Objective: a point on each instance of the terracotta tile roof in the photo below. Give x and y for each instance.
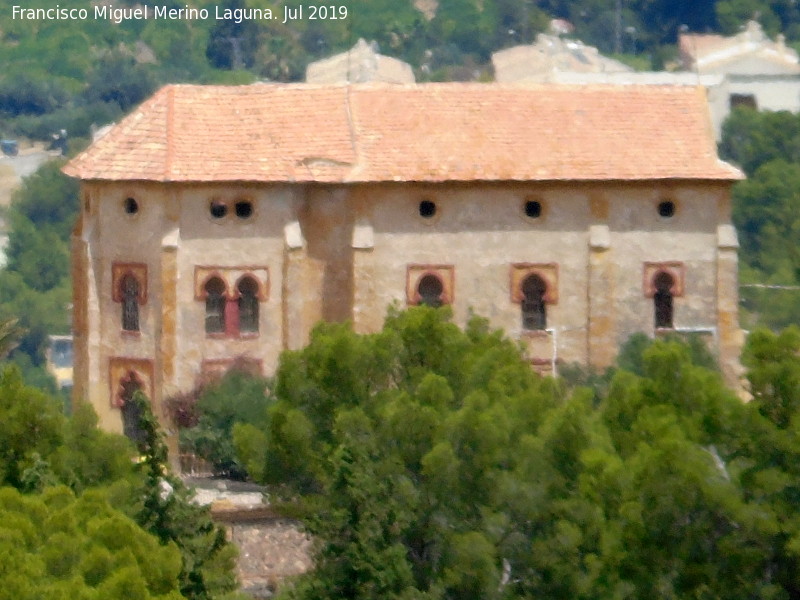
(430, 132)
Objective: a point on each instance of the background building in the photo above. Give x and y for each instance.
(761, 74)
(361, 64)
(548, 56)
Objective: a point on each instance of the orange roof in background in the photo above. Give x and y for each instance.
(427, 132)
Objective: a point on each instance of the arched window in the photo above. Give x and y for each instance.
(430, 290)
(130, 303)
(248, 305)
(534, 315)
(131, 411)
(215, 305)
(662, 300)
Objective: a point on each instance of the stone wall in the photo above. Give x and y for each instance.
(348, 252)
(270, 553)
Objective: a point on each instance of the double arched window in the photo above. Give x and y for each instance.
(231, 315)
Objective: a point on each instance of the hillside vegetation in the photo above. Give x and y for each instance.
(432, 463)
(70, 74)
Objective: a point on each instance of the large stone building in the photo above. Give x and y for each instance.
(220, 222)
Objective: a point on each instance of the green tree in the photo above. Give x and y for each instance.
(774, 374)
(206, 416)
(732, 14)
(34, 286)
(233, 45)
(765, 211)
(751, 139)
(31, 425)
(207, 560)
(117, 78)
(397, 441)
(89, 457)
(22, 94)
(41, 447)
(432, 462)
(55, 545)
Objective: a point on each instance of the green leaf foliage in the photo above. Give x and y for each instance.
(35, 285)
(40, 447)
(88, 456)
(31, 423)
(55, 545)
(431, 462)
(166, 510)
(92, 551)
(766, 212)
(208, 415)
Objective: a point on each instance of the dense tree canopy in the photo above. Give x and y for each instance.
(432, 462)
(166, 510)
(35, 285)
(55, 545)
(766, 211)
(63, 539)
(207, 415)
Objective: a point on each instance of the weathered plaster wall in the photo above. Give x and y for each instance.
(749, 65)
(639, 234)
(112, 236)
(172, 233)
(345, 253)
(481, 231)
(229, 246)
(770, 92)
